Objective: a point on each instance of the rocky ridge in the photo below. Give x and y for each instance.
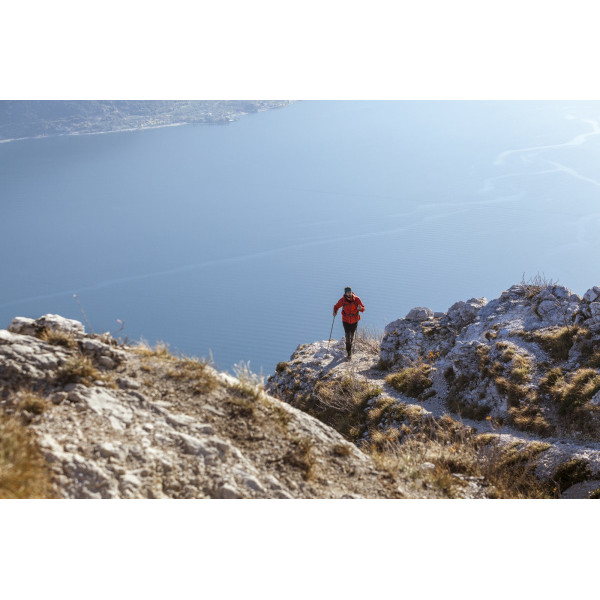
(523, 368)
(424, 412)
(134, 422)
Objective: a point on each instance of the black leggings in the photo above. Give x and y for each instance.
(350, 330)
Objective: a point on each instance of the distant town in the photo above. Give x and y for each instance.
(41, 118)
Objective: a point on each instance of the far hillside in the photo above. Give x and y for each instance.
(35, 118)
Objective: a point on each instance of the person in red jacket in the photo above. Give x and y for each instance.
(352, 307)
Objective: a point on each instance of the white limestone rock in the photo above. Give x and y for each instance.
(419, 313)
(462, 313)
(58, 323)
(22, 325)
(592, 294)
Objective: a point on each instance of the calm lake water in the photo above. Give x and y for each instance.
(238, 239)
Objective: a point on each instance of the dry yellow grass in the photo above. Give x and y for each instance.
(571, 392)
(341, 403)
(302, 457)
(57, 338)
(160, 350)
(504, 472)
(556, 341)
(31, 402)
(78, 369)
(195, 372)
(23, 471)
(411, 381)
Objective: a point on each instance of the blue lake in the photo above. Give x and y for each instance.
(238, 239)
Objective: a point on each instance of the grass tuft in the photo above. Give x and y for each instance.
(503, 472)
(195, 372)
(78, 369)
(247, 391)
(534, 285)
(580, 387)
(569, 473)
(556, 341)
(32, 403)
(341, 450)
(412, 381)
(282, 367)
(23, 471)
(302, 457)
(57, 338)
(160, 350)
(341, 403)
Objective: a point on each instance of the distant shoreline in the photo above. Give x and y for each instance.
(75, 133)
(205, 118)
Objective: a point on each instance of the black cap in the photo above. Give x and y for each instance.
(347, 289)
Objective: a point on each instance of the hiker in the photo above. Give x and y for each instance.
(352, 307)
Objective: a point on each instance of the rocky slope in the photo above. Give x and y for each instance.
(134, 422)
(495, 399)
(523, 368)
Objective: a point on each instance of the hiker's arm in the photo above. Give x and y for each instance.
(337, 306)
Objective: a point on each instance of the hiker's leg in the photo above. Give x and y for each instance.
(348, 332)
(352, 331)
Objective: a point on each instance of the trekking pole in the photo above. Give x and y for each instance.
(329, 342)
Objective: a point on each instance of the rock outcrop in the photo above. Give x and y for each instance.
(494, 358)
(524, 367)
(133, 422)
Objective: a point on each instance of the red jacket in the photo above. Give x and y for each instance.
(352, 308)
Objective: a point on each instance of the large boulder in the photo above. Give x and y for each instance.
(592, 294)
(419, 313)
(26, 326)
